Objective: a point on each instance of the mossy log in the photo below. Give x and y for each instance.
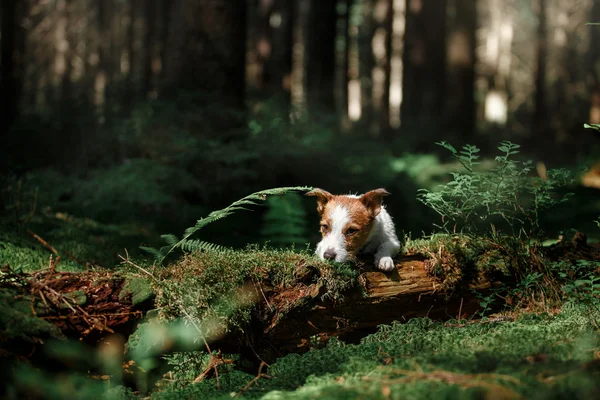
(286, 319)
(407, 292)
(297, 318)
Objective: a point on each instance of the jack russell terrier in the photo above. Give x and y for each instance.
(356, 224)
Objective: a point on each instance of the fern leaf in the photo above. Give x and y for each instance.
(154, 252)
(253, 199)
(170, 239)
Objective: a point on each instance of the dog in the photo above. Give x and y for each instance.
(352, 224)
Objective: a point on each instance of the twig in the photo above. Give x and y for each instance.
(460, 309)
(127, 261)
(215, 361)
(204, 340)
(263, 294)
(255, 379)
(43, 242)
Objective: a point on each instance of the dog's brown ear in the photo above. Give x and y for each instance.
(373, 199)
(323, 197)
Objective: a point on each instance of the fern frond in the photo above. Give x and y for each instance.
(192, 246)
(253, 199)
(169, 239)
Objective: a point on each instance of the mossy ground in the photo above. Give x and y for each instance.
(534, 356)
(80, 242)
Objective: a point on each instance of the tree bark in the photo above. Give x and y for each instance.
(424, 61)
(131, 50)
(209, 54)
(320, 56)
(460, 101)
(149, 43)
(366, 62)
(384, 120)
(278, 66)
(13, 55)
(540, 116)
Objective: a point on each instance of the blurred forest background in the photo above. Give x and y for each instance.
(155, 112)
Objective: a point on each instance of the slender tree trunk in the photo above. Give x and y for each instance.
(102, 71)
(384, 120)
(540, 116)
(12, 67)
(460, 104)
(424, 67)
(131, 49)
(66, 85)
(149, 42)
(320, 53)
(346, 66)
(278, 68)
(366, 61)
(593, 65)
(164, 39)
(209, 55)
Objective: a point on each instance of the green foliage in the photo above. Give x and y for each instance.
(506, 192)
(592, 126)
(284, 224)
(188, 245)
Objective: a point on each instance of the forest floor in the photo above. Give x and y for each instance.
(72, 307)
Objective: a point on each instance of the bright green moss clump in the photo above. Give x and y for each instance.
(222, 286)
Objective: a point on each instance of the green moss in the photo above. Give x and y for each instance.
(80, 242)
(139, 288)
(534, 357)
(223, 286)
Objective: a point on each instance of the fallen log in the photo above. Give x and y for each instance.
(407, 292)
(291, 317)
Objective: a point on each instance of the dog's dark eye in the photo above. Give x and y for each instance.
(351, 231)
(324, 227)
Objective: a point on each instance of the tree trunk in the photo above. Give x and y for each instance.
(149, 42)
(209, 57)
(164, 37)
(279, 65)
(320, 56)
(366, 62)
(384, 119)
(593, 65)
(130, 43)
(540, 126)
(13, 54)
(424, 68)
(460, 101)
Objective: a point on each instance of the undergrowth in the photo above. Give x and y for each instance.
(505, 196)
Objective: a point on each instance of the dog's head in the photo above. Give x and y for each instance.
(346, 222)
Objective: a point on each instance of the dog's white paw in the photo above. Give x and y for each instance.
(385, 264)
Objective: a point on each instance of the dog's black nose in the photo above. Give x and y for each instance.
(329, 254)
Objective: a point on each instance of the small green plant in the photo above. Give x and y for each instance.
(582, 282)
(485, 301)
(192, 245)
(284, 224)
(506, 192)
